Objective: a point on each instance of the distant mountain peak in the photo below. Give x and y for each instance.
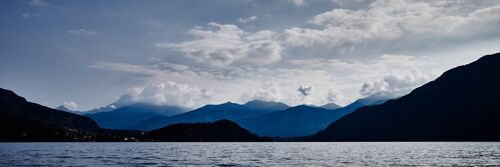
(330, 106)
(123, 101)
(63, 108)
(304, 106)
(130, 115)
(258, 101)
(229, 103)
(263, 102)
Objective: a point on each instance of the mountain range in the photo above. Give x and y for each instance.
(264, 118)
(302, 120)
(21, 120)
(210, 113)
(460, 105)
(129, 116)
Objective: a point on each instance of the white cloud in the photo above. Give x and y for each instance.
(81, 31)
(333, 80)
(71, 105)
(38, 3)
(485, 15)
(332, 96)
(395, 83)
(171, 93)
(269, 91)
(248, 19)
(391, 19)
(225, 44)
(388, 73)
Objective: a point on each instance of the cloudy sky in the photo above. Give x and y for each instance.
(86, 54)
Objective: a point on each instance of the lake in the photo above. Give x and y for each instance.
(250, 154)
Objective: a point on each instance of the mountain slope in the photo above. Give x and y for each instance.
(123, 101)
(220, 131)
(302, 120)
(62, 108)
(374, 99)
(207, 113)
(128, 116)
(21, 120)
(265, 106)
(296, 121)
(330, 106)
(460, 105)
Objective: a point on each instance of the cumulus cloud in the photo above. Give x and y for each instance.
(248, 19)
(224, 44)
(305, 91)
(395, 83)
(384, 73)
(269, 91)
(171, 93)
(81, 31)
(71, 105)
(283, 92)
(332, 96)
(388, 20)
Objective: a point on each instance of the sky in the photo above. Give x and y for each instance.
(87, 54)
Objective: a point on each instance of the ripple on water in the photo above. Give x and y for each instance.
(250, 154)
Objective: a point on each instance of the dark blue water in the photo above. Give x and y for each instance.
(249, 154)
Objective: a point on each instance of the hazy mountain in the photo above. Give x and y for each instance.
(265, 106)
(460, 105)
(220, 131)
(330, 106)
(207, 113)
(128, 116)
(302, 120)
(295, 121)
(62, 108)
(124, 100)
(21, 120)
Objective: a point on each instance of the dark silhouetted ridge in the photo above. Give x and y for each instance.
(460, 105)
(219, 131)
(21, 120)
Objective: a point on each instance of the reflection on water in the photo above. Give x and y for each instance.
(249, 154)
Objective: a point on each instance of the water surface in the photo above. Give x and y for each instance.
(250, 154)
